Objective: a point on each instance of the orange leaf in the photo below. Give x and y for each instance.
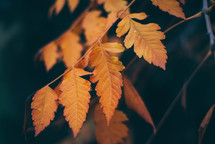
(204, 124)
(115, 132)
(109, 78)
(134, 101)
(57, 6)
(113, 5)
(93, 26)
(44, 106)
(71, 48)
(145, 38)
(170, 6)
(75, 97)
(73, 4)
(50, 55)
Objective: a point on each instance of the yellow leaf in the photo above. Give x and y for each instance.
(73, 4)
(71, 48)
(113, 5)
(107, 73)
(115, 132)
(170, 6)
(145, 37)
(75, 98)
(93, 26)
(134, 101)
(44, 106)
(50, 55)
(57, 6)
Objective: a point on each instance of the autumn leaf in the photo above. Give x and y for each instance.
(134, 101)
(93, 26)
(145, 37)
(107, 74)
(115, 132)
(71, 48)
(44, 106)
(170, 6)
(73, 4)
(75, 98)
(50, 55)
(57, 7)
(113, 5)
(204, 124)
(59, 4)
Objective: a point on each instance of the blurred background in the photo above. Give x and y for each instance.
(25, 28)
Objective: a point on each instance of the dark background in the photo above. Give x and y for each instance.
(25, 28)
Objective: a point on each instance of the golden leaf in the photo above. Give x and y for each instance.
(109, 78)
(170, 6)
(73, 4)
(93, 26)
(134, 101)
(44, 106)
(71, 48)
(113, 5)
(115, 132)
(75, 97)
(57, 6)
(50, 55)
(145, 37)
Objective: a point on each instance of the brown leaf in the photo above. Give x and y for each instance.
(134, 101)
(204, 124)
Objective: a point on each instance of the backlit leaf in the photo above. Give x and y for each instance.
(145, 37)
(50, 55)
(44, 106)
(134, 101)
(71, 48)
(73, 4)
(170, 6)
(93, 26)
(75, 98)
(115, 132)
(113, 5)
(107, 74)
